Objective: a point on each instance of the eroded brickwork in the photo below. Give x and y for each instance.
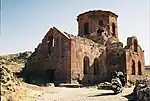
(90, 57)
(135, 65)
(115, 58)
(51, 59)
(98, 25)
(85, 55)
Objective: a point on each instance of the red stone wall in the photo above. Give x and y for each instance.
(115, 58)
(81, 48)
(58, 59)
(131, 56)
(94, 18)
(101, 49)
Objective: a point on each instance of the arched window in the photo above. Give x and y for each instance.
(50, 43)
(133, 67)
(113, 29)
(135, 45)
(96, 66)
(86, 65)
(139, 68)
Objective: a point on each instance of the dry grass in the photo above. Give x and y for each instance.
(147, 72)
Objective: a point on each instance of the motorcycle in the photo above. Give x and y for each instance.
(116, 85)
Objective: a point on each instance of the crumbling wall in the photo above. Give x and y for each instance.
(135, 65)
(96, 47)
(115, 58)
(51, 59)
(83, 50)
(98, 25)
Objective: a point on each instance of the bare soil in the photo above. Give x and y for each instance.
(74, 94)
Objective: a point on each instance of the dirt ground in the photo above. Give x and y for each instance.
(74, 94)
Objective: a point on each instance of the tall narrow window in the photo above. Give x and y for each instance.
(50, 44)
(86, 28)
(133, 67)
(86, 65)
(113, 29)
(135, 45)
(139, 68)
(96, 66)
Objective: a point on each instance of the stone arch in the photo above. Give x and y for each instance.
(113, 29)
(96, 66)
(135, 45)
(133, 67)
(86, 65)
(139, 68)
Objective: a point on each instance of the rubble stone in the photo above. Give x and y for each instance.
(8, 82)
(142, 90)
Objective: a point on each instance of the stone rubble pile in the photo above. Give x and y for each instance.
(142, 90)
(8, 82)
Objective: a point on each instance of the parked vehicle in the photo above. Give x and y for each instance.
(121, 77)
(116, 83)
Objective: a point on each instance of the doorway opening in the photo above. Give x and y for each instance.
(50, 75)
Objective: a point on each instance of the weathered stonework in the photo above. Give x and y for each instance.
(101, 25)
(90, 57)
(135, 65)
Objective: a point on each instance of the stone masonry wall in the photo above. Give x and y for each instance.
(99, 22)
(134, 60)
(82, 48)
(51, 57)
(115, 58)
(90, 57)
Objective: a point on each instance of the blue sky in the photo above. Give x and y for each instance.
(25, 22)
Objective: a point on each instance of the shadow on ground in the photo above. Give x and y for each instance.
(103, 94)
(130, 97)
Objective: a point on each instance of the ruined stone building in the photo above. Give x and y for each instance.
(89, 57)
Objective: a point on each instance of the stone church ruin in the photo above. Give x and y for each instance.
(89, 57)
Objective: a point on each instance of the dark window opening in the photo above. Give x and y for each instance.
(139, 68)
(50, 44)
(86, 28)
(133, 67)
(113, 29)
(86, 65)
(96, 66)
(135, 45)
(101, 22)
